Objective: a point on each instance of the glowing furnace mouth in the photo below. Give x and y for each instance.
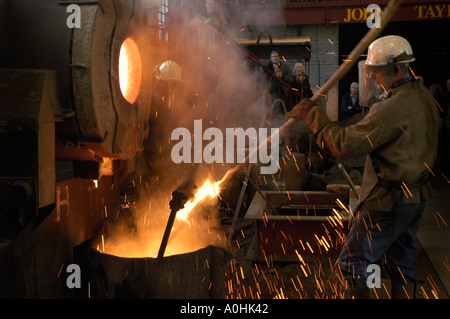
(130, 70)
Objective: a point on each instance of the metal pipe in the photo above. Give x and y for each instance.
(348, 179)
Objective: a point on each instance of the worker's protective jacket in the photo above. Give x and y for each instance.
(399, 136)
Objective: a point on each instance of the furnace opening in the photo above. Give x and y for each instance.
(130, 70)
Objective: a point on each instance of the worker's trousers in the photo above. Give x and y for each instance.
(374, 235)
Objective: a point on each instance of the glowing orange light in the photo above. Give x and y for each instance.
(130, 70)
(189, 233)
(209, 188)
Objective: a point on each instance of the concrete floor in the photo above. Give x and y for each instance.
(434, 231)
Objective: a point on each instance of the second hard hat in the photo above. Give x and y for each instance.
(169, 71)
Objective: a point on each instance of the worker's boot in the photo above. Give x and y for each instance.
(358, 292)
(403, 291)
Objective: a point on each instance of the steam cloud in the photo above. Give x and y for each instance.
(220, 87)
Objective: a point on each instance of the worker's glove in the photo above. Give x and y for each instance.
(302, 109)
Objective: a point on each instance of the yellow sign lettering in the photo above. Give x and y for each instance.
(419, 9)
(439, 10)
(347, 19)
(436, 11)
(360, 14)
(422, 12)
(430, 13)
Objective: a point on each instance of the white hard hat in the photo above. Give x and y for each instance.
(391, 49)
(169, 71)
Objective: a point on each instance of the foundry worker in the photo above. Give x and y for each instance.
(301, 80)
(350, 102)
(211, 16)
(399, 135)
(279, 70)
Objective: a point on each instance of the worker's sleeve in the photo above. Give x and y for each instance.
(345, 142)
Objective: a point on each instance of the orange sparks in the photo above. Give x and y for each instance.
(387, 292)
(60, 269)
(446, 263)
(401, 273)
(429, 169)
(433, 284)
(304, 271)
(309, 246)
(403, 130)
(424, 293)
(284, 251)
(440, 108)
(341, 205)
(242, 273)
(437, 213)
(448, 181)
(369, 140)
(404, 289)
(406, 188)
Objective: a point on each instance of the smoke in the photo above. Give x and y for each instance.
(149, 218)
(222, 87)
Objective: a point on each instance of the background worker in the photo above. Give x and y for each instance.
(350, 103)
(280, 70)
(399, 135)
(301, 80)
(210, 15)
